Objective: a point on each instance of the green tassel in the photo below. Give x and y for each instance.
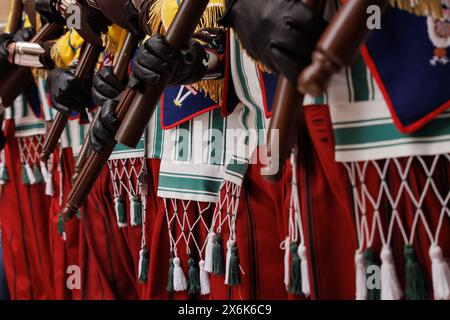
(61, 227)
(4, 176)
(295, 281)
(369, 260)
(170, 276)
(78, 214)
(120, 211)
(25, 178)
(194, 278)
(143, 265)
(136, 211)
(234, 274)
(218, 266)
(38, 174)
(415, 281)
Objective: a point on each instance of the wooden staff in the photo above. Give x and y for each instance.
(135, 108)
(121, 72)
(286, 111)
(338, 45)
(85, 66)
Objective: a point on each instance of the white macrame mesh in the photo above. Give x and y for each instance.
(182, 227)
(30, 148)
(125, 175)
(378, 206)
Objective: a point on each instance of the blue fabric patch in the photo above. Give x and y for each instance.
(32, 97)
(416, 83)
(181, 103)
(269, 89)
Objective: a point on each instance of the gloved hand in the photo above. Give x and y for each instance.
(24, 35)
(105, 127)
(5, 38)
(47, 10)
(132, 15)
(68, 93)
(286, 30)
(106, 86)
(155, 61)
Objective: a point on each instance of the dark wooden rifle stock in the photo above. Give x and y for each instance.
(286, 113)
(16, 16)
(135, 108)
(17, 80)
(121, 71)
(86, 65)
(338, 45)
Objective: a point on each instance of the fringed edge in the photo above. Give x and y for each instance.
(431, 8)
(210, 18)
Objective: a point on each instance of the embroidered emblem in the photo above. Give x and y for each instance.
(439, 34)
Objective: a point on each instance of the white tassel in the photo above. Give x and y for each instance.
(44, 170)
(2, 170)
(204, 279)
(49, 188)
(132, 210)
(230, 244)
(306, 289)
(179, 279)
(440, 271)
(286, 244)
(30, 174)
(390, 287)
(361, 287)
(208, 252)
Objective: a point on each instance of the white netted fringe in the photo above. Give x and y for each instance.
(204, 279)
(179, 219)
(440, 273)
(373, 201)
(179, 279)
(390, 287)
(29, 148)
(296, 233)
(361, 285)
(125, 181)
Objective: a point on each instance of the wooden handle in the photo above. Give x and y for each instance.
(285, 114)
(178, 35)
(134, 109)
(338, 45)
(94, 164)
(85, 66)
(121, 71)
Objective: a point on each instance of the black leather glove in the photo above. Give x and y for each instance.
(105, 127)
(68, 93)
(155, 61)
(5, 38)
(47, 10)
(24, 35)
(132, 15)
(106, 86)
(282, 34)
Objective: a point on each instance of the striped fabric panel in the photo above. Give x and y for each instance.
(48, 112)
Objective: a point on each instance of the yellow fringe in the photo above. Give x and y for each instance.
(431, 8)
(210, 18)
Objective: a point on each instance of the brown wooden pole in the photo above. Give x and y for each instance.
(135, 108)
(338, 45)
(85, 66)
(286, 110)
(121, 71)
(16, 16)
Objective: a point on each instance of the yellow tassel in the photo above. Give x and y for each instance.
(161, 15)
(431, 8)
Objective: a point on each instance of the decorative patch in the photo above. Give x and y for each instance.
(415, 88)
